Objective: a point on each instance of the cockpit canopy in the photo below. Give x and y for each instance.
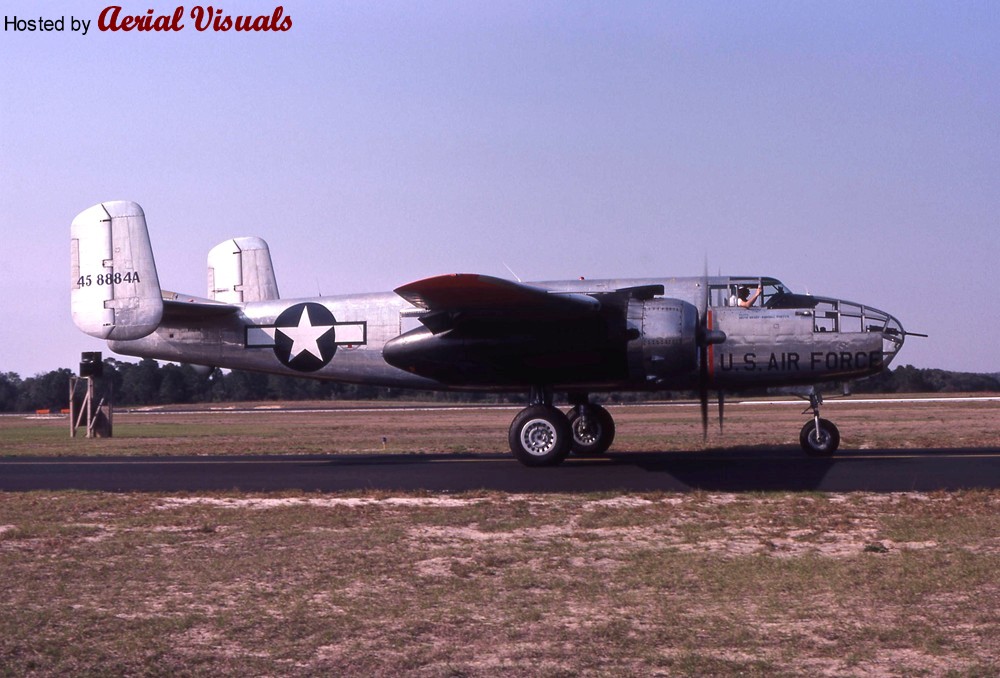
(774, 294)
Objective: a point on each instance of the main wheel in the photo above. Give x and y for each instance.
(823, 445)
(540, 435)
(593, 430)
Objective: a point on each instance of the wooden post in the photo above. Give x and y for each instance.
(99, 421)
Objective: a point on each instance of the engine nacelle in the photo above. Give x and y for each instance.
(631, 343)
(663, 340)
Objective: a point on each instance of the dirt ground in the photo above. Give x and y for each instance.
(486, 584)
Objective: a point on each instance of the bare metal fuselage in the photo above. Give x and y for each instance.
(818, 340)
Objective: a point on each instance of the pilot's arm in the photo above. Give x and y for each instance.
(752, 298)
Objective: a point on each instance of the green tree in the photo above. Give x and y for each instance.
(240, 386)
(49, 391)
(140, 382)
(10, 387)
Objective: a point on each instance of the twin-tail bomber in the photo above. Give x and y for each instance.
(479, 333)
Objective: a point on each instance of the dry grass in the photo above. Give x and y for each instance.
(668, 427)
(695, 584)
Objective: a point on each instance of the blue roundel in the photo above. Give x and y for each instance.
(305, 338)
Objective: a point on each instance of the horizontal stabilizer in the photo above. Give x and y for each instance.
(240, 271)
(178, 308)
(115, 292)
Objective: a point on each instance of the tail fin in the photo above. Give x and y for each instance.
(240, 270)
(115, 294)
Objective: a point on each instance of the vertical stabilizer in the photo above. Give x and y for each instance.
(115, 292)
(240, 270)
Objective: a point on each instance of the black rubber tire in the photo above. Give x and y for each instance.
(827, 443)
(599, 435)
(540, 436)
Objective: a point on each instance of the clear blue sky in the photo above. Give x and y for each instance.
(851, 149)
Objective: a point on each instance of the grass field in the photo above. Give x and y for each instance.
(484, 584)
(262, 429)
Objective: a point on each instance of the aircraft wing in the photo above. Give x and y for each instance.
(483, 330)
(470, 293)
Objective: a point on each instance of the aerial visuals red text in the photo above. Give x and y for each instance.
(203, 18)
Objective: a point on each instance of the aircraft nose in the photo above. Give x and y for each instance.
(893, 334)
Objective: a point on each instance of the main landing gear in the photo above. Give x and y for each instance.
(819, 437)
(541, 435)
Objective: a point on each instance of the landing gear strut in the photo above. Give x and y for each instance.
(819, 437)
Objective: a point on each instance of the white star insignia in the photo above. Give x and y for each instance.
(305, 336)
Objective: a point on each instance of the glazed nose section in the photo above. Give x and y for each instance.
(893, 334)
(847, 318)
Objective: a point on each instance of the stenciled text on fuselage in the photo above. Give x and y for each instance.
(791, 361)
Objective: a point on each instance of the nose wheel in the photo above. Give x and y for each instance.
(819, 437)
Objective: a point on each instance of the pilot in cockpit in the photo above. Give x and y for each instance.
(744, 298)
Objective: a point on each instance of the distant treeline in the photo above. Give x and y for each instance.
(151, 383)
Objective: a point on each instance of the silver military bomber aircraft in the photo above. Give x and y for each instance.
(479, 333)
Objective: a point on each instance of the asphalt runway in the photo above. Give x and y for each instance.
(730, 470)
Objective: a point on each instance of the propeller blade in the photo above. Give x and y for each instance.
(703, 399)
(703, 351)
(722, 407)
(704, 292)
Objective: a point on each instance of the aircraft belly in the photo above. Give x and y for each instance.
(201, 346)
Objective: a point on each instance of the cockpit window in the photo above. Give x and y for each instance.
(719, 295)
(728, 294)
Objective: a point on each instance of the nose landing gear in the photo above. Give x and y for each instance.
(819, 437)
